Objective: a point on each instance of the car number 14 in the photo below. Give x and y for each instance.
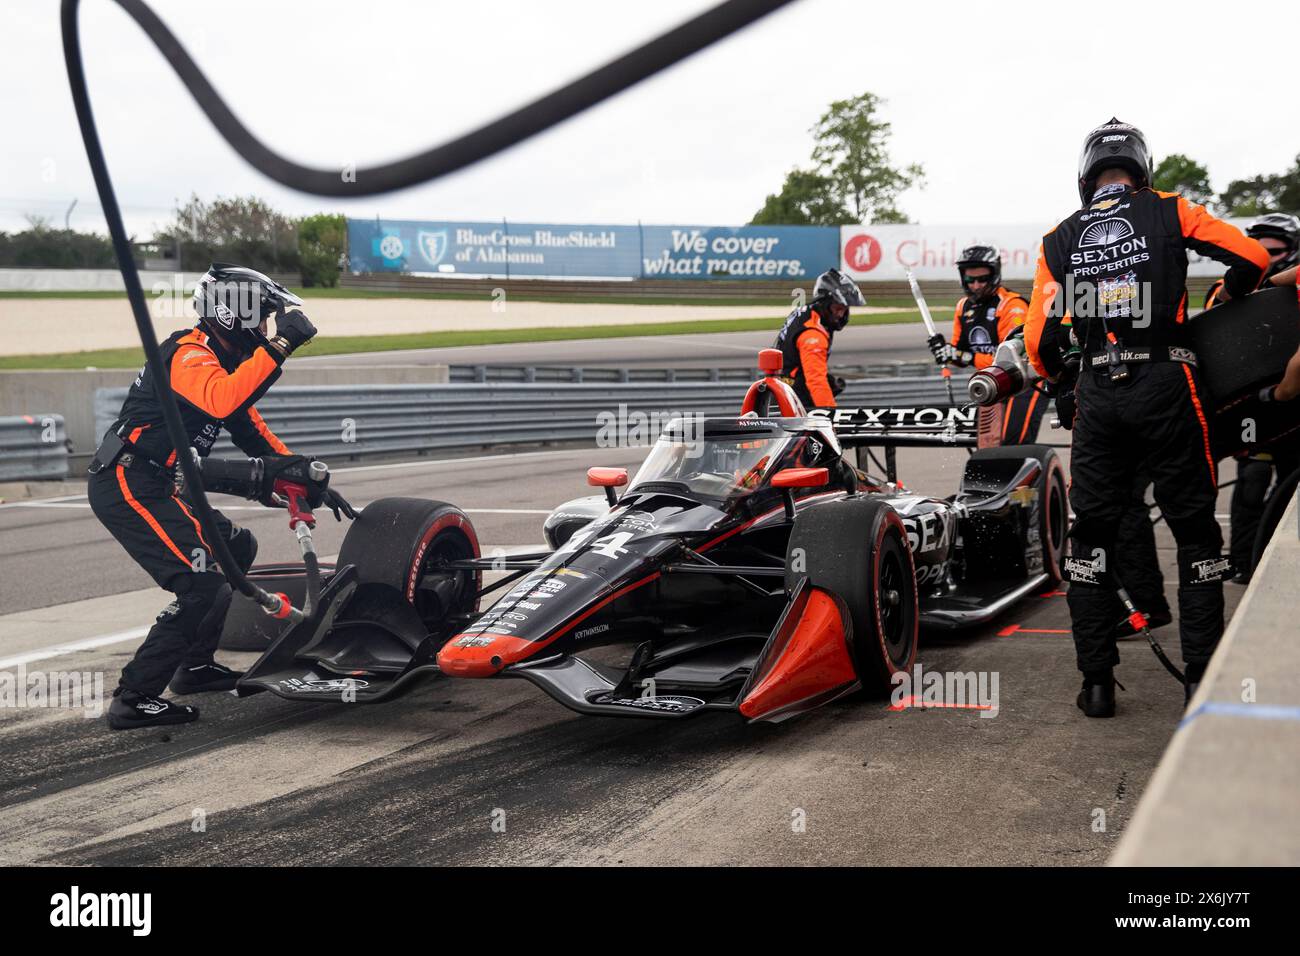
(609, 546)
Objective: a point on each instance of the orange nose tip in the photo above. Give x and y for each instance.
(770, 361)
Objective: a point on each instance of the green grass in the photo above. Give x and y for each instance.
(348, 344)
(775, 302)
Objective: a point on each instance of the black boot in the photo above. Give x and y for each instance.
(132, 711)
(201, 678)
(1097, 699)
(1192, 674)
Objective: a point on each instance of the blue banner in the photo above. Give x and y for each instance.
(493, 248)
(738, 252)
(557, 250)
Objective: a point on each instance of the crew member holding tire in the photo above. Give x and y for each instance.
(1122, 258)
(218, 369)
(1279, 233)
(805, 339)
(987, 314)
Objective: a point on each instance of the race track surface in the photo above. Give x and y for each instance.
(479, 772)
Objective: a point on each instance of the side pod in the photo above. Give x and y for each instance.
(807, 661)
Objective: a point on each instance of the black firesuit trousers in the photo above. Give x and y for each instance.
(141, 509)
(1137, 563)
(1152, 425)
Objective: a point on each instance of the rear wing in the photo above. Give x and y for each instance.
(904, 426)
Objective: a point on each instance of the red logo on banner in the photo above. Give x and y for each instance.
(862, 253)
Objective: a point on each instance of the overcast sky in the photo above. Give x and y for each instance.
(992, 98)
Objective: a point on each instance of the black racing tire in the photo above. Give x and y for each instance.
(1245, 343)
(247, 626)
(398, 542)
(1274, 508)
(856, 548)
(1053, 496)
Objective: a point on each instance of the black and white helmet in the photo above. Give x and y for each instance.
(1114, 145)
(1284, 227)
(234, 300)
(980, 256)
(834, 286)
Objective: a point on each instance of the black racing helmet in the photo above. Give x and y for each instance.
(1114, 145)
(1282, 226)
(834, 286)
(234, 301)
(980, 256)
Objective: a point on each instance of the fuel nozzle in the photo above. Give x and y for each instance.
(1010, 373)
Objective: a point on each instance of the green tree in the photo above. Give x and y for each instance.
(1278, 192)
(322, 246)
(853, 178)
(41, 247)
(806, 199)
(852, 149)
(242, 230)
(1181, 174)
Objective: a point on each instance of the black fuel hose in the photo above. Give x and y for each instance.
(567, 101)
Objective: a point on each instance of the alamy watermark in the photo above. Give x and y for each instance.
(53, 689)
(963, 690)
(632, 428)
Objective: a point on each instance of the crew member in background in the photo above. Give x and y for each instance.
(217, 370)
(805, 339)
(984, 317)
(1121, 257)
(1279, 233)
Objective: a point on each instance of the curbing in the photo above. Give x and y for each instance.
(1227, 791)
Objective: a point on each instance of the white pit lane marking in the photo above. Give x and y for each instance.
(64, 648)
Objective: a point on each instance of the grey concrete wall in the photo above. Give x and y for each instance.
(71, 393)
(1227, 791)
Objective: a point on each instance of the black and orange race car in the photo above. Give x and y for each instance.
(747, 567)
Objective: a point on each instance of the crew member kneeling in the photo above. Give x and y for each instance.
(217, 370)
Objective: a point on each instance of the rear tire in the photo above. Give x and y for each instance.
(1053, 500)
(856, 548)
(399, 542)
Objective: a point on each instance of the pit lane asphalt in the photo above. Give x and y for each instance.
(424, 779)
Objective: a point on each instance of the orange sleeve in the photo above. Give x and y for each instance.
(1037, 321)
(1011, 315)
(1212, 296)
(814, 349)
(198, 378)
(956, 322)
(264, 430)
(1246, 259)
